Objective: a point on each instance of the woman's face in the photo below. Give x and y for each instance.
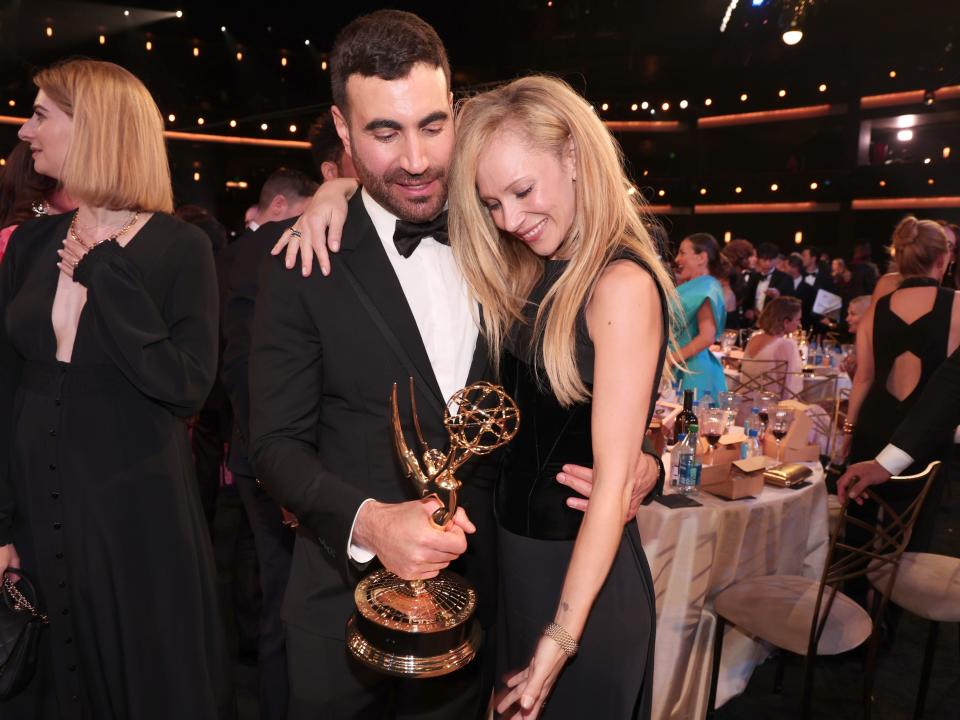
(792, 324)
(689, 262)
(49, 132)
(530, 193)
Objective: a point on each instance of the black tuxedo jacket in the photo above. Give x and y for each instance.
(935, 415)
(779, 281)
(247, 254)
(321, 373)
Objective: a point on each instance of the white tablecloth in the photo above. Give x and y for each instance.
(694, 553)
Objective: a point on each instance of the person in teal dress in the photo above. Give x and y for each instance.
(699, 263)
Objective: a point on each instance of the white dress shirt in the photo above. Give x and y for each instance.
(762, 287)
(446, 316)
(894, 460)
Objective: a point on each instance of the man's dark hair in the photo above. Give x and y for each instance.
(385, 44)
(815, 251)
(325, 144)
(292, 184)
(768, 251)
(795, 261)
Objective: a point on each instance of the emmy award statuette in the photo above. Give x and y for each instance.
(425, 628)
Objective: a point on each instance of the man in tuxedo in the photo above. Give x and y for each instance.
(817, 278)
(327, 350)
(283, 196)
(921, 433)
(770, 282)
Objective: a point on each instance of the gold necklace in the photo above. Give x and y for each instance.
(122, 231)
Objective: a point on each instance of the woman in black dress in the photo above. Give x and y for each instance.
(901, 341)
(575, 307)
(107, 342)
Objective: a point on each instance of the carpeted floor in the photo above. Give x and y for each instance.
(838, 680)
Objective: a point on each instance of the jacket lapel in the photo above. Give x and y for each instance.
(364, 255)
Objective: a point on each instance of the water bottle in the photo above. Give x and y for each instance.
(688, 464)
(745, 445)
(675, 463)
(751, 448)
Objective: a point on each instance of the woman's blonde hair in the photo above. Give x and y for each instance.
(117, 158)
(918, 245)
(776, 312)
(610, 218)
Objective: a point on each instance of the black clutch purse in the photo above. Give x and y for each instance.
(20, 625)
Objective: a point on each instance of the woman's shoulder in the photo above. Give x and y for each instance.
(31, 234)
(627, 275)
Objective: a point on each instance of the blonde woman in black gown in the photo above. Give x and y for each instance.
(575, 309)
(108, 341)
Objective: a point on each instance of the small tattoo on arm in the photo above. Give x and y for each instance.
(565, 606)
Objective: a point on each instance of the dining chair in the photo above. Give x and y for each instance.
(807, 617)
(929, 587)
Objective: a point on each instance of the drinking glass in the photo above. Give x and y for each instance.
(712, 429)
(779, 426)
(728, 340)
(766, 402)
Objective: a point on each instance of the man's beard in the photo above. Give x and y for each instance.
(383, 189)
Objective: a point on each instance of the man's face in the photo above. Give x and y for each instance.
(765, 264)
(809, 261)
(399, 134)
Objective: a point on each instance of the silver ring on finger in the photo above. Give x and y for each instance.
(295, 233)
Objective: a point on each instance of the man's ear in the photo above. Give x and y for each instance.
(329, 170)
(343, 129)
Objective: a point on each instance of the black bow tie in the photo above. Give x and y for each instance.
(407, 235)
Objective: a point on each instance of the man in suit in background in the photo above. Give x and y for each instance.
(771, 283)
(283, 196)
(817, 277)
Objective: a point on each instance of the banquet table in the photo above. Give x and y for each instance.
(696, 552)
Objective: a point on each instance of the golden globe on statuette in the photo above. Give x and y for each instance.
(425, 628)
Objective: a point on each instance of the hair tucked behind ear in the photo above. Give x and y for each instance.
(609, 219)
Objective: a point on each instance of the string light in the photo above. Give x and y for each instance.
(179, 13)
(264, 126)
(307, 43)
(703, 191)
(774, 187)
(661, 193)
(946, 152)
(738, 189)
(727, 236)
(929, 181)
(814, 186)
(646, 172)
(782, 93)
(171, 117)
(223, 28)
(49, 31)
(283, 61)
(665, 106)
(200, 121)
(149, 45)
(605, 107)
(239, 56)
(634, 107)
(926, 161)
(798, 237)
(196, 177)
(683, 104)
(13, 103)
(892, 74)
(708, 102)
(293, 128)
(196, 51)
(126, 13)
(233, 123)
(102, 39)
(883, 183)
(644, 105)
(822, 87)
(743, 97)
(323, 65)
(3, 161)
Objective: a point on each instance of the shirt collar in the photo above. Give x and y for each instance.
(384, 221)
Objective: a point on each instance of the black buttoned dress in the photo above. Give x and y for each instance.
(96, 478)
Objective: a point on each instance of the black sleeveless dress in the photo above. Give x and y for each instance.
(881, 413)
(611, 676)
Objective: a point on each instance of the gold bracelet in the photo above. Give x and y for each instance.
(848, 428)
(561, 637)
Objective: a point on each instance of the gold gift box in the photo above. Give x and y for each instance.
(787, 475)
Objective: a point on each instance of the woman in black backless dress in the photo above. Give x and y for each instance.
(108, 320)
(575, 309)
(922, 331)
